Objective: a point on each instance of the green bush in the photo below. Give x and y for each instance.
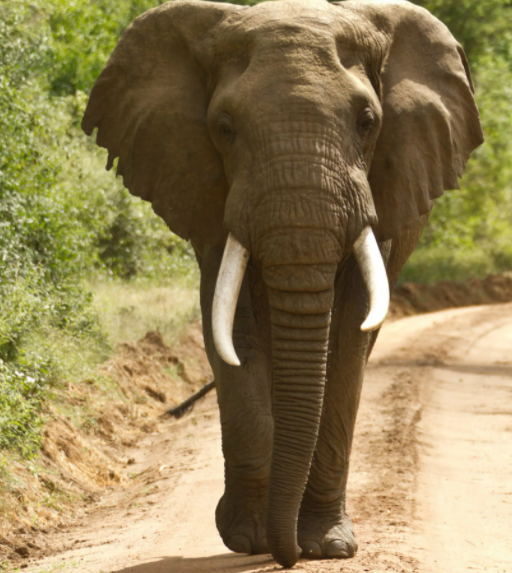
(21, 400)
(469, 232)
(40, 323)
(84, 33)
(63, 218)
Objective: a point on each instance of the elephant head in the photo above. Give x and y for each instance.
(300, 129)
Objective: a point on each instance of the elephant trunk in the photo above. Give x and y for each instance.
(300, 323)
(301, 293)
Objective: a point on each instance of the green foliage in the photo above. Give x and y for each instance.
(62, 217)
(481, 26)
(21, 399)
(84, 33)
(39, 324)
(469, 232)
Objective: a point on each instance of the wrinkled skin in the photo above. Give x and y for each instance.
(292, 125)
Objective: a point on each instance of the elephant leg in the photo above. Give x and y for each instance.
(324, 528)
(245, 411)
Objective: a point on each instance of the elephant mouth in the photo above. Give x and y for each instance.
(231, 274)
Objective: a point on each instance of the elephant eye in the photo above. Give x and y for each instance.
(226, 128)
(365, 122)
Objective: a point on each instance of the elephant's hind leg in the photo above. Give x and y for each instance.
(246, 419)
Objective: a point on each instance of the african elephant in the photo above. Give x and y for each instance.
(299, 145)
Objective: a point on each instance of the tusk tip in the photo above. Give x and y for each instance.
(370, 327)
(232, 360)
(227, 353)
(373, 322)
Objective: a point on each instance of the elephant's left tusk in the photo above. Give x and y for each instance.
(227, 289)
(372, 268)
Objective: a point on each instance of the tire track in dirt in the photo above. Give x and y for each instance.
(465, 483)
(409, 470)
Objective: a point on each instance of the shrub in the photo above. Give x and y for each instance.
(469, 232)
(63, 218)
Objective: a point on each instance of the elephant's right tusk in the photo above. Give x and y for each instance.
(372, 268)
(227, 289)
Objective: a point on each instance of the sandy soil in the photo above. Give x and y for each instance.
(431, 477)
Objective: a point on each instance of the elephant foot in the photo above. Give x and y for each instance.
(324, 537)
(241, 523)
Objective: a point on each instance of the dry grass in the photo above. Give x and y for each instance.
(96, 412)
(91, 427)
(128, 310)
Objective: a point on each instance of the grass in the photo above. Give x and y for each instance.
(77, 389)
(433, 264)
(128, 310)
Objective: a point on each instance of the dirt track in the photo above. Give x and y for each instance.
(431, 477)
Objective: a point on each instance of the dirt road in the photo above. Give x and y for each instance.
(431, 477)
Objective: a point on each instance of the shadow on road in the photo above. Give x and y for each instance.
(500, 369)
(228, 562)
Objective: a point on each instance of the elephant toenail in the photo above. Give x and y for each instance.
(311, 550)
(340, 549)
(239, 544)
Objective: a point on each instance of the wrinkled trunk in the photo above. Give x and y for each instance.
(300, 334)
(300, 297)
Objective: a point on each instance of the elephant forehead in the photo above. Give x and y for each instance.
(286, 12)
(282, 41)
(294, 23)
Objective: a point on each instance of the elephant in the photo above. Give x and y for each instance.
(299, 145)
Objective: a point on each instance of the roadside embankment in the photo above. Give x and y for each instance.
(91, 427)
(415, 298)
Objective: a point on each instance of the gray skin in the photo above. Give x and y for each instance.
(293, 125)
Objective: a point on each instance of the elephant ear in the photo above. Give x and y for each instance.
(430, 119)
(149, 105)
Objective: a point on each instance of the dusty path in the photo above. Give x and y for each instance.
(431, 478)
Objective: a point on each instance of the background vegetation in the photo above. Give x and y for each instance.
(63, 218)
(68, 228)
(469, 232)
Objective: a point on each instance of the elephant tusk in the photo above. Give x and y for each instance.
(227, 289)
(372, 268)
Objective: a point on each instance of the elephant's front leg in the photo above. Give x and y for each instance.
(245, 411)
(324, 529)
